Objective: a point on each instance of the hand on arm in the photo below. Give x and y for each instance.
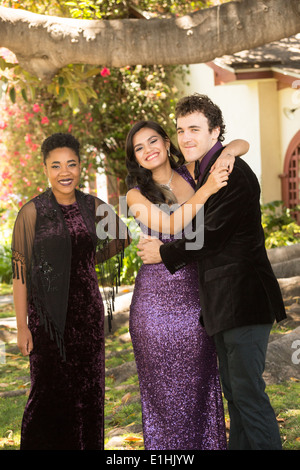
(235, 148)
(222, 217)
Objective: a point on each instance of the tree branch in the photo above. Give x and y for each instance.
(44, 44)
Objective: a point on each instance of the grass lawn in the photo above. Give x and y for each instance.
(122, 406)
(121, 409)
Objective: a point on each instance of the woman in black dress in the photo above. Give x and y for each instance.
(59, 309)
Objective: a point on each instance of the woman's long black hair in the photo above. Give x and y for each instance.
(142, 177)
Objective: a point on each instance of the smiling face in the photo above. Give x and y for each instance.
(194, 136)
(62, 169)
(150, 148)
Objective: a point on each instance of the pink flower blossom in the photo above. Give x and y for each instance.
(28, 139)
(45, 120)
(36, 108)
(28, 116)
(60, 122)
(3, 125)
(26, 180)
(105, 72)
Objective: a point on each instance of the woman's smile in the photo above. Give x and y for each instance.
(66, 181)
(152, 156)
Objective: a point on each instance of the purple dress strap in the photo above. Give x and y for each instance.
(186, 175)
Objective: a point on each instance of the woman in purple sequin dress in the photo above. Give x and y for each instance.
(180, 389)
(55, 284)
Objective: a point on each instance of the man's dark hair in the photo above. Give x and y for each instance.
(202, 104)
(60, 140)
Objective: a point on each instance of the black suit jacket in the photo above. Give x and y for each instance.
(236, 282)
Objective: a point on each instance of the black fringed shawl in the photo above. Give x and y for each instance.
(41, 244)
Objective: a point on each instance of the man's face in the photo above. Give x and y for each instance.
(194, 137)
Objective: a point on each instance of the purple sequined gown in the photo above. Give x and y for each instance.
(66, 402)
(176, 360)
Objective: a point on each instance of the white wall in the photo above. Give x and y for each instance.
(290, 98)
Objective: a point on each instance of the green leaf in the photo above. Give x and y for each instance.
(12, 94)
(91, 73)
(24, 95)
(82, 95)
(62, 91)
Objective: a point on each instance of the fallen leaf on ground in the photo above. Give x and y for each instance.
(133, 439)
(126, 397)
(6, 442)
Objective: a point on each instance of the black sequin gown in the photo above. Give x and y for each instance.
(65, 408)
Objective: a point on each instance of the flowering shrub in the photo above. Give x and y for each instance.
(97, 104)
(21, 170)
(99, 114)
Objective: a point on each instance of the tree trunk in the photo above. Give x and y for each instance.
(44, 44)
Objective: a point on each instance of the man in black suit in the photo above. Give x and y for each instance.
(240, 296)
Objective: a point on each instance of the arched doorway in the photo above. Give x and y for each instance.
(291, 176)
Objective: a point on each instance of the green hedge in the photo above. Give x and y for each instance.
(279, 225)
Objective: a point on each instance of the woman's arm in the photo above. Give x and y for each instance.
(24, 337)
(22, 243)
(157, 220)
(235, 148)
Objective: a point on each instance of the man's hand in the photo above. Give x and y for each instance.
(149, 250)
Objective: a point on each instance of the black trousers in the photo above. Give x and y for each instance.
(242, 353)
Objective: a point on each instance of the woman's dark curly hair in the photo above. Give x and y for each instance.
(202, 104)
(60, 140)
(142, 177)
